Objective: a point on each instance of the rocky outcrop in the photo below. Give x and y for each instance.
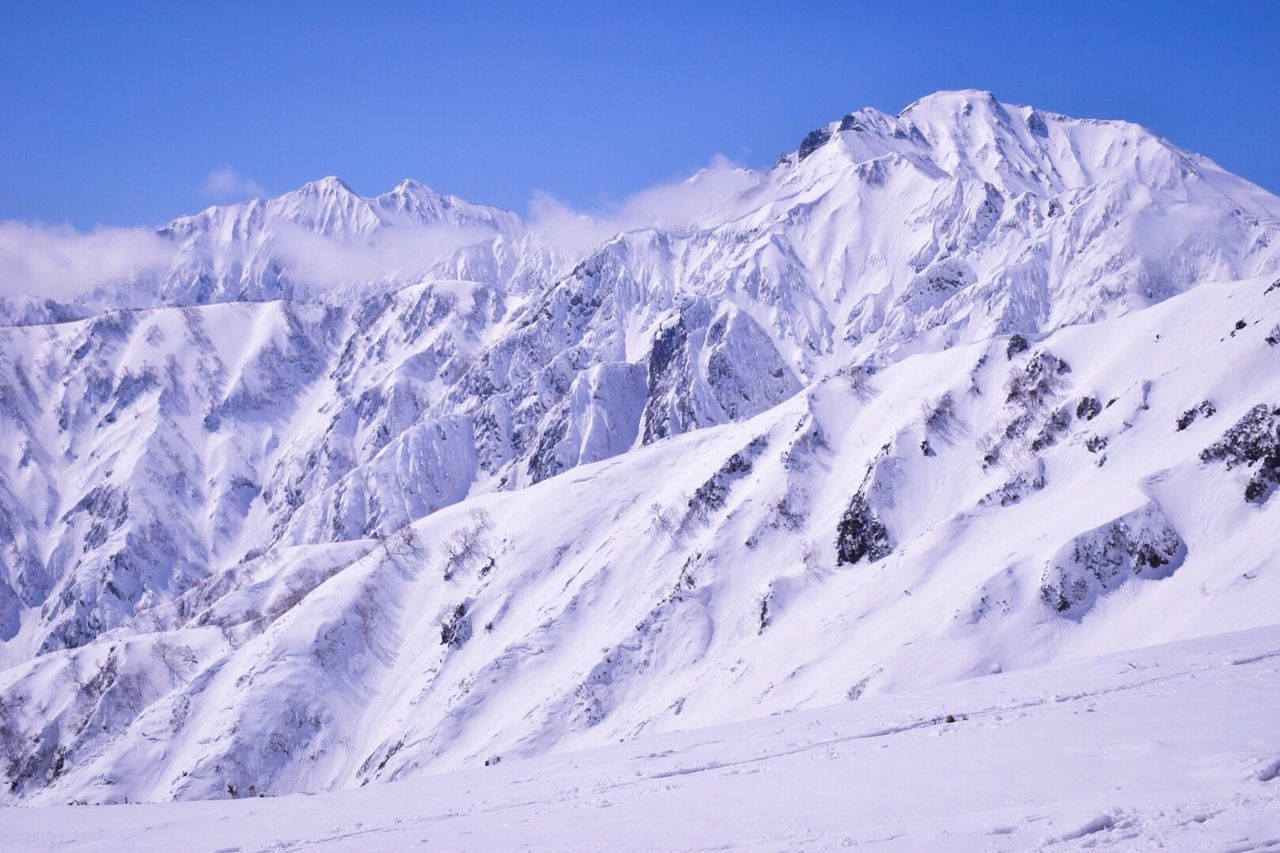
(1142, 544)
(1253, 443)
(861, 533)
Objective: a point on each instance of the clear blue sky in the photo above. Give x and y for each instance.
(117, 112)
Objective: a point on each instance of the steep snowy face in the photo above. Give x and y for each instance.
(890, 376)
(963, 217)
(969, 135)
(995, 506)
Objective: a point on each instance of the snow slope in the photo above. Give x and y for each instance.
(1172, 747)
(713, 577)
(973, 388)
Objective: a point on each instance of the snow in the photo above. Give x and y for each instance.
(973, 389)
(696, 580)
(1168, 746)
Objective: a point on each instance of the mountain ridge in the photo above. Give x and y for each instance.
(771, 429)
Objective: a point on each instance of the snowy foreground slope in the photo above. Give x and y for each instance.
(1172, 747)
(973, 388)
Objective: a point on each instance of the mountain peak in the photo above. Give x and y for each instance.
(412, 185)
(952, 96)
(329, 184)
(948, 105)
(969, 134)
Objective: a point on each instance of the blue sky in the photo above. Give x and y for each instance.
(131, 113)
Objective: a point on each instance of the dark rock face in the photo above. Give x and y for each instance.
(543, 462)
(744, 374)
(455, 628)
(851, 122)
(1019, 487)
(861, 534)
(1036, 124)
(814, 140)
(712, 494)
(669, 408)
(1188, 417)
(1141, 544)
(1017, 344)
(1088, 408)
(1254, 440)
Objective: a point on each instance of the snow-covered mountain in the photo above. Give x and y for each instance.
(970, 388)
(1088, 755)
(259, 249)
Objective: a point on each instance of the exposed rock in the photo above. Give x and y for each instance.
(455, 627)
(1019, 487)
(1035, 124)
(1188, 417)
(1017, 344)
(713, 494)
(1254, 440)
(1088, 408)
(1140, 544)
(814, 140)
(861, 533)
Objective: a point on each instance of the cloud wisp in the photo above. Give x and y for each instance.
(58, 262)
(226, 184)
(321, 263)
(711, 194)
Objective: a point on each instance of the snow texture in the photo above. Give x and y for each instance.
(1089, 755)
(970, 389)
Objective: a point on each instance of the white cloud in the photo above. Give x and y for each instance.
(226, 184)
(397, 253)
(711, 194)
(570, 231)
(59, 262)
